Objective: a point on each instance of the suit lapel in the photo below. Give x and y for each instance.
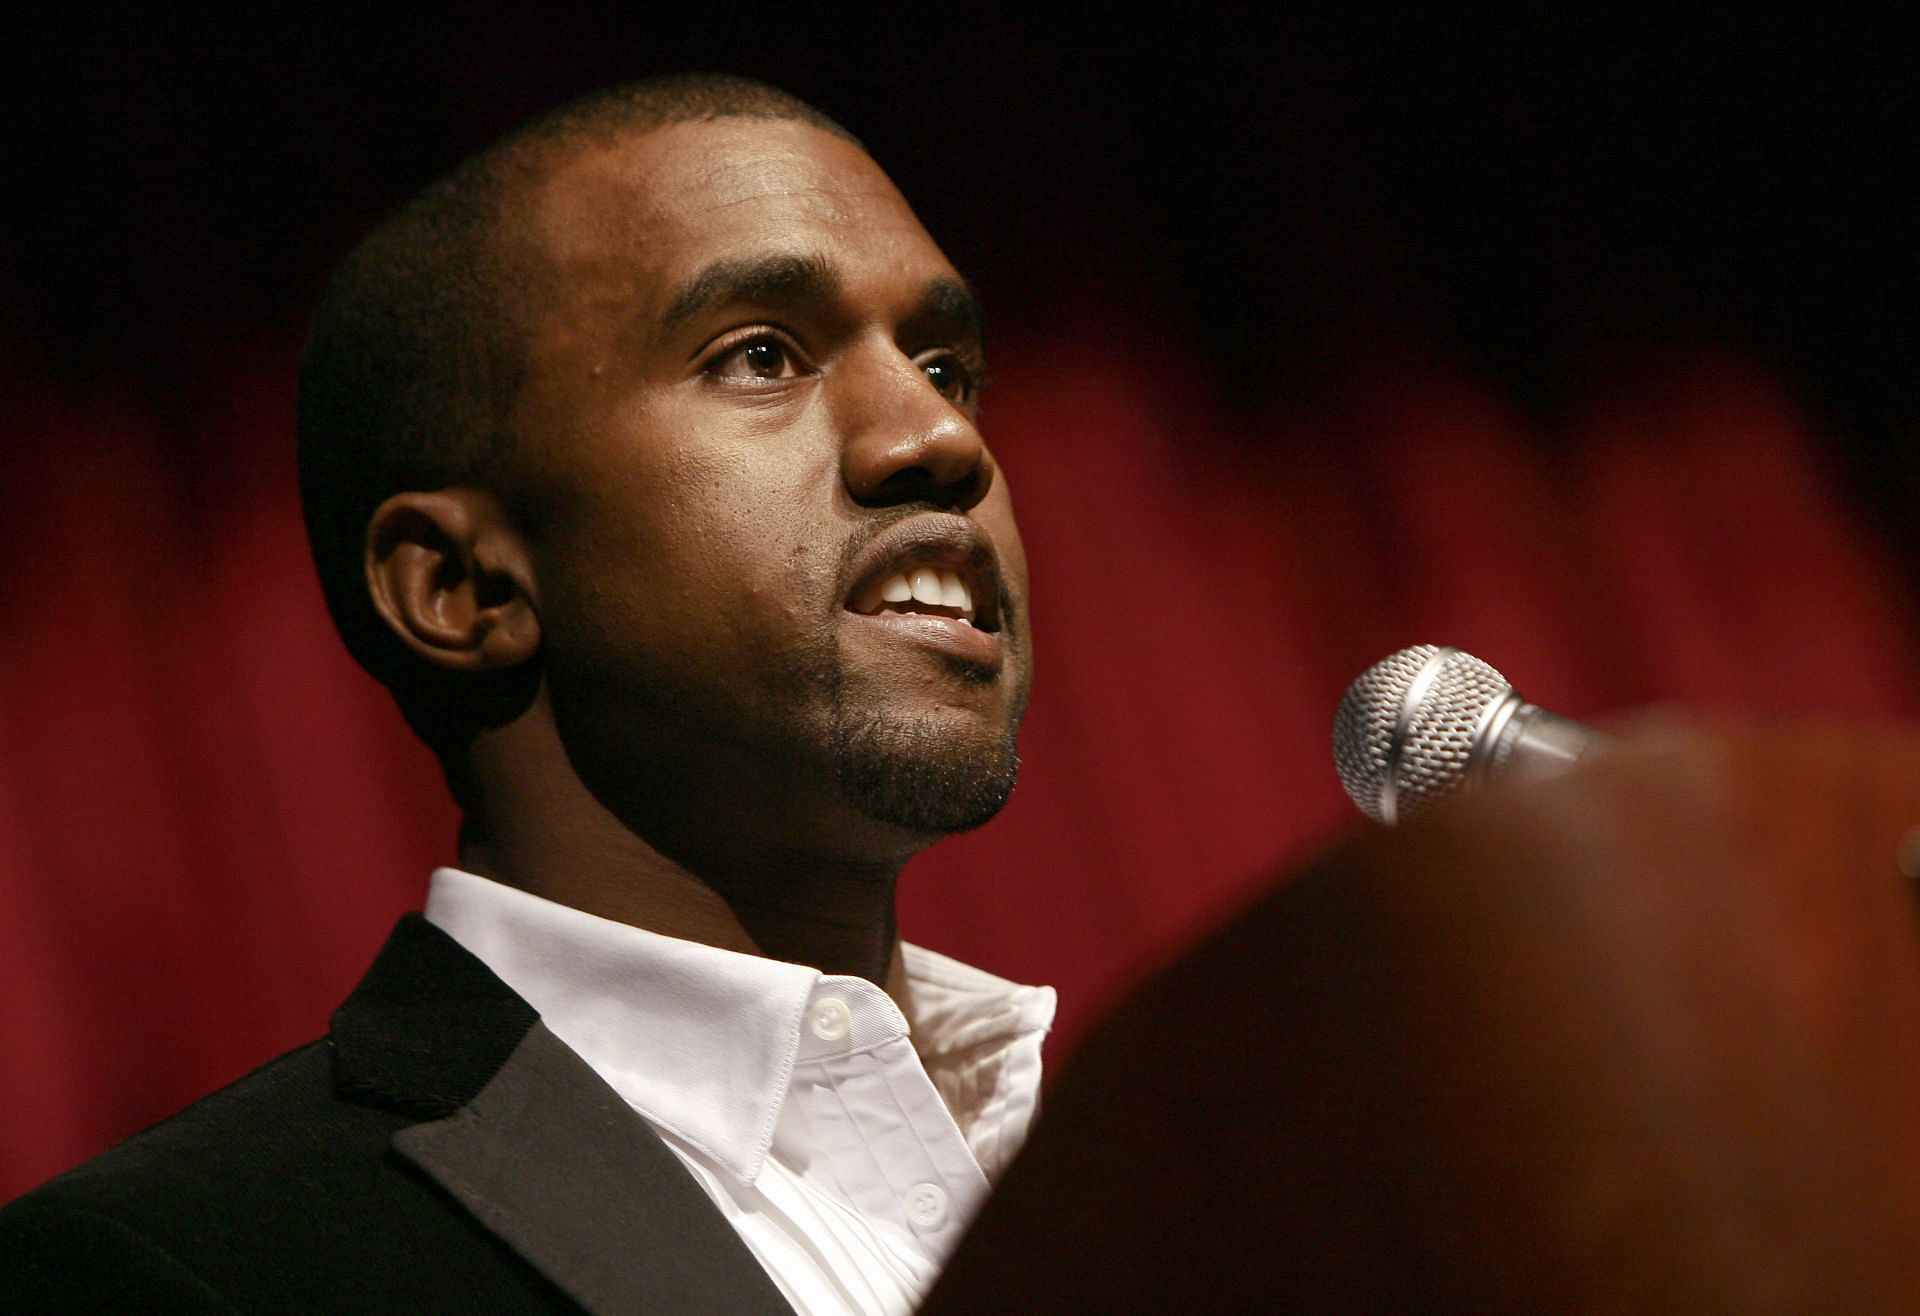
(524, 1135)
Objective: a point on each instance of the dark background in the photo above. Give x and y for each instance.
(1534, 197)
(1589, 344)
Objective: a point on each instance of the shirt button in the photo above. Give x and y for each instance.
(927, 1205)
(831, 1019)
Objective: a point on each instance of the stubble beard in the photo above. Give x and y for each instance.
(921, 777)
(919, 773)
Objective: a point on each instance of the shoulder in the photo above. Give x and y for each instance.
(108, 1235)
(195, 1195)
(284, 1191)
(265, 1125)
(280, 1192)
(59, 1256)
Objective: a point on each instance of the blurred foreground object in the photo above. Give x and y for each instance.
(1643, 1037)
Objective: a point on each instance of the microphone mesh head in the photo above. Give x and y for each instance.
(1433, 757)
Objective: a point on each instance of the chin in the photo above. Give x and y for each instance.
(924, 778)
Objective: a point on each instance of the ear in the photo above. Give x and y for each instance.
(453, 579)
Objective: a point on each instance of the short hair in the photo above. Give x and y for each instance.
(416, 353)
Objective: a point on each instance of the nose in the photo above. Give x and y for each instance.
(905, 441)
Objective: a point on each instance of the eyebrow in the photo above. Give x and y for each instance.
(946, 300)
(761, 279)
(949, 302)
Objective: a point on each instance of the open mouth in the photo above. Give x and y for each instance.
(919, 590)
(943, 569)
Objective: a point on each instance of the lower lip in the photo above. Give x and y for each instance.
(944, 635)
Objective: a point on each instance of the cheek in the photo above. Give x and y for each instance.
(698, 559)
(676, 520)
(996, 514)
(756, 526)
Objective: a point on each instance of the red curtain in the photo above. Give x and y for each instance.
(209, 817)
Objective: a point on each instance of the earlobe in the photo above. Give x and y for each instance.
(449, 574)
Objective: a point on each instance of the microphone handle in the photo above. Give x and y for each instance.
(1525, 742)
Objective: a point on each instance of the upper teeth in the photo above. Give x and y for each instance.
(942, 589)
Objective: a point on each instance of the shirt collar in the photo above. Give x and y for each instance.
(699, 1040)
(957, 1008)
(703, 1041)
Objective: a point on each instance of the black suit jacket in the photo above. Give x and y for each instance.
(439, 1151)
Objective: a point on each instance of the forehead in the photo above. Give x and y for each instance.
(640, 214)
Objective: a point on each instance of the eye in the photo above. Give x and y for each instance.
(756, 358)
(952, 377)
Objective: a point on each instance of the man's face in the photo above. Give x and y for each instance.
(748, 428)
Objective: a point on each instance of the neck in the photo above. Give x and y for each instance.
(544, 832)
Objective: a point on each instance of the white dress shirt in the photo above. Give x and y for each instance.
(847, 1145)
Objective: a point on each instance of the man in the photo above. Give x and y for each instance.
(642, 463)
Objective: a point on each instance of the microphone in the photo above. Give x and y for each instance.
(1430, 721)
